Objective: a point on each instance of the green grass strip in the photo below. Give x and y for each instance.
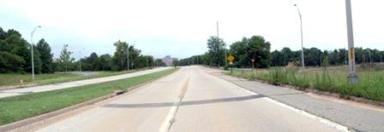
(21, 107)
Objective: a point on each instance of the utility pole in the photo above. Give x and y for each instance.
(352, 76)
(32, 58)
(301, 34)
(218, 36)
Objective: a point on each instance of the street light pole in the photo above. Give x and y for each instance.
(352, 76)
(302, 39)
(32, 59)
(218, 37)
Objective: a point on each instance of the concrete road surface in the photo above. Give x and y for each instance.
(20, 91)
(193, 100)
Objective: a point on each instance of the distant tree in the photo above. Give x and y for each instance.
(313, 56)
(14, 43)
(120, 56)
(259, 50)
(65, 61)
(2, 34)
(342, 56)
(276, 58)
(159, 62)
(105, 62)
(359, 55)
(133, 55)
(287, 56)
(46, 56)
(175, 62)
(216, 51)
(141, 61)
(10, 62)
(239, 51)
(333, 57)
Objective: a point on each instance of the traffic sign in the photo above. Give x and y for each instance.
(230, 58)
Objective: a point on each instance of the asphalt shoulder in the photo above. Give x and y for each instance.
(357, 116)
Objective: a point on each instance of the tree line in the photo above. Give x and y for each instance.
(248, 52)
(15, 57)
(255, 52)
(15, 54)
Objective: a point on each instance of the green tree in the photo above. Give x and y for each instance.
(159, 62)
(65, 60)
(105, 62)
(14, 43)
(46, 56)
(239, 51)
(313, 56)
(276, 58)
(10, 62)
(120, 56)
(259, 50)
(216, 51)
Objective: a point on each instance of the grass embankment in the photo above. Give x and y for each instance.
(20, 107)
(13, 79)
(370, 86)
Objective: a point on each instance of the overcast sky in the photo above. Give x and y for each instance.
(181, 28)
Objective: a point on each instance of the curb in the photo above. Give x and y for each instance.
(33, 123)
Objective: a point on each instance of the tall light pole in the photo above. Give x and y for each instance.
(218, 37)
(301, 34)
(32, 59)
(352, 76)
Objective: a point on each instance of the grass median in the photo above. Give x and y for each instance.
(21, 107)
(13, 79)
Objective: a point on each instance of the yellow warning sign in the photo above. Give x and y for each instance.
(230, 58)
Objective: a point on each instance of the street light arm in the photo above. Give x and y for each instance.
(298, 10)
(301, 34)
(33, 32)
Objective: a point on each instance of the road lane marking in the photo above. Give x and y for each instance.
(304, 113)
(170, 118)
(301, 112)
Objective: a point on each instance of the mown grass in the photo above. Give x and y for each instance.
(370, 86)
(13, 79)
(21, 107)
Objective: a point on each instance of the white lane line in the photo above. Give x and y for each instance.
(167, 123)
(304, 113)
(170, 118)
(311, 116)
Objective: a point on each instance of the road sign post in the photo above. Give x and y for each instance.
(253, 64)
(231, 58)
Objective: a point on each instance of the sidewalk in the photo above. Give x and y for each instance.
(356, 116)
(50, 87)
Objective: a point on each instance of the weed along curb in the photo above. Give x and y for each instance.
(310, 89)
(33, 123)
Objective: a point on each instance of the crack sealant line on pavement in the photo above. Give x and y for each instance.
(170, 119)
